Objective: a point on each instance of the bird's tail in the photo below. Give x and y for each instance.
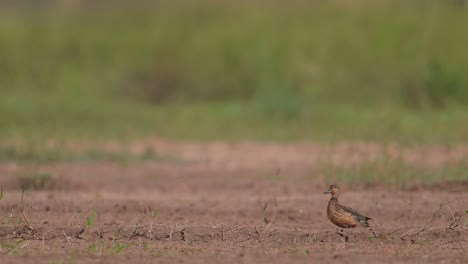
(364, 222)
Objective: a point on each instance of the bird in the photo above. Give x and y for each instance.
(343, 216)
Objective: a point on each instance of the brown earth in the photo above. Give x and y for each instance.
(220, 202)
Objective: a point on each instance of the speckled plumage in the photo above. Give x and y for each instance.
(343, 216)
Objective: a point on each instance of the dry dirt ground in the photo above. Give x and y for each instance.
(221, 202)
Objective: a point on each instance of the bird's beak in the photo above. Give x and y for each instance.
(327, 192)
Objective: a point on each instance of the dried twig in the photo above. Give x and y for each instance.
(424, 228)
(43, 238)
(256, 230)
(68, 239)
(172, 232)
(25, 219)
(235, 229)
(373, 233)
(70, 219)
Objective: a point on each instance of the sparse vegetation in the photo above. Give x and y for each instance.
(397, 173)
(91, 218)
(119, 247)
(37, 181)
(443, 225)
(264, 215)
(40, 153)
(12, 247)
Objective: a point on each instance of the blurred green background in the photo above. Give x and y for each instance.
(327, 71)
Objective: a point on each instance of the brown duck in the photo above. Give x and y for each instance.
(343, 216)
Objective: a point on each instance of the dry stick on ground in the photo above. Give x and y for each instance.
(453, 216)
(372, 230)
(70, 219)
(256, 230)
(44, 221)
(455, 219)
(25, 220)
(411, 205)
(235, 229)
(26, 244)
(13, 216)
(433, 218)
(457, 216)
(43, 239)
(23, 208)
(68, 239)
(150, 228)
(172, 232)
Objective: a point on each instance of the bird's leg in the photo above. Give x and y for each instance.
(338, 232)
(373, 232)
(345, 237)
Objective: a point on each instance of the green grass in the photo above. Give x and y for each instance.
(386, 71)
(399, 173)
(40, 153)
(37, 181)
(239, 120)
(90, 220)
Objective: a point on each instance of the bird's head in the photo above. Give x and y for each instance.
(334, 190)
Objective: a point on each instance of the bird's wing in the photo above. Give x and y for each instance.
(354, 212)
